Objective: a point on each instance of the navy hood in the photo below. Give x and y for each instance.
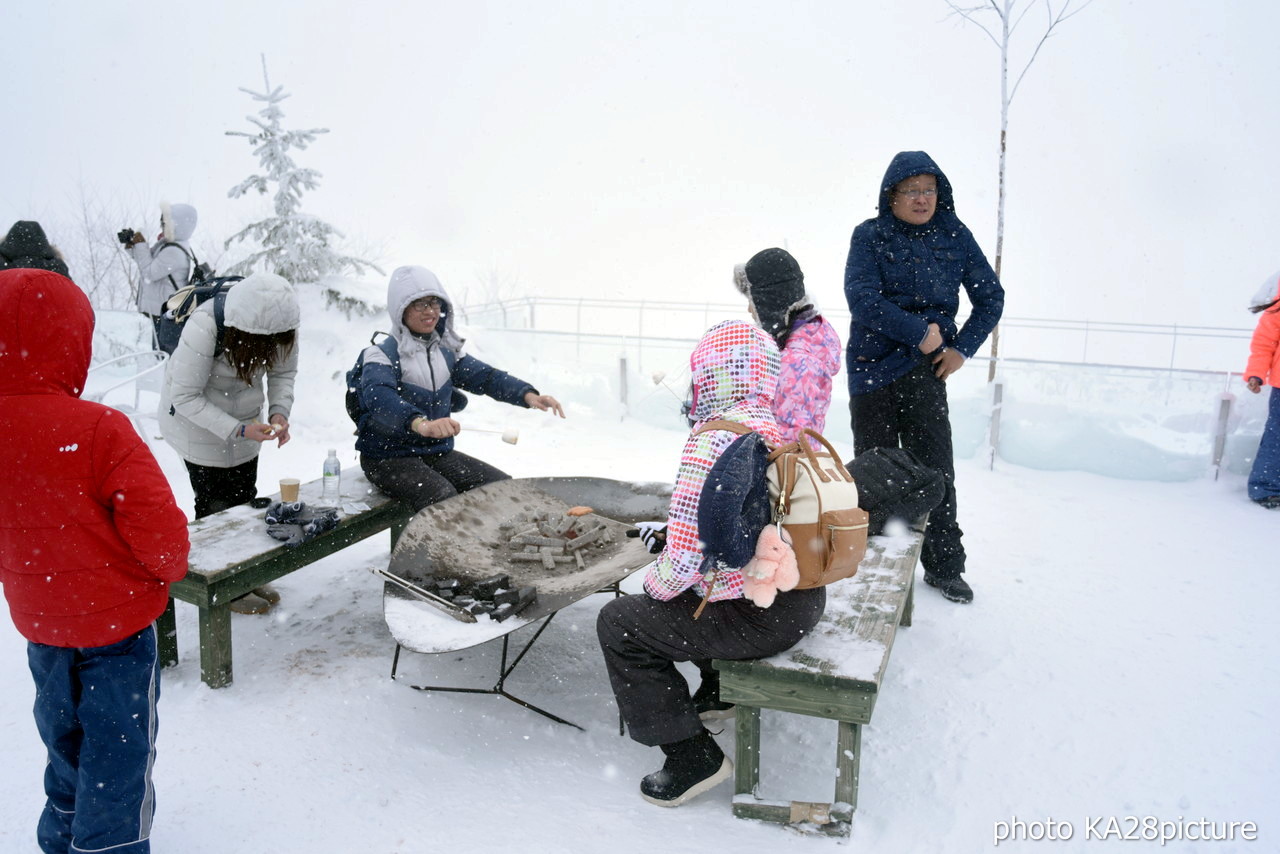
(904, 165)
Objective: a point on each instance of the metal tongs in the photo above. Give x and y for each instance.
(459, 613)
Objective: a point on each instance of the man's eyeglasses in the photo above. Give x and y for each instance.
(426, 304)
(915, 194)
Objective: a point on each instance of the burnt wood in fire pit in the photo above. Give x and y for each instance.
(482, 534)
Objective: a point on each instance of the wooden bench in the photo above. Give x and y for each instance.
(835, 673)
(231, 554)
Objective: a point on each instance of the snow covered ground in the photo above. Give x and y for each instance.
(1120, 660)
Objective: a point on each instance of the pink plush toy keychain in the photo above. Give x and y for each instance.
(772, 568)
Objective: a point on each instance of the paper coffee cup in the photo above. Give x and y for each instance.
(289, 489)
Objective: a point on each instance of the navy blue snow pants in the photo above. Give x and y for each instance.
(1264, 479)
(96, 712)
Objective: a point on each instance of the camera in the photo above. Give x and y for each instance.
(125, 236)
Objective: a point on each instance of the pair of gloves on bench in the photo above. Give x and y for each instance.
(295, 523)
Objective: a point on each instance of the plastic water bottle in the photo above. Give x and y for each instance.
(331, 486)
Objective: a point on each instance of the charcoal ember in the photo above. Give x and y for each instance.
(444, 585)
(526, 596)
(486, 588)
(506, 597)
(464, 601)
(479, 607)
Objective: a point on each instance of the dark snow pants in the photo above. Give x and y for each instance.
(642, 639)
(911, 412)
(96, 712)
(217, 488)
(1264, 477)
(422, 481)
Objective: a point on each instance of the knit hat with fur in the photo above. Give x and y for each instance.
(773, 284)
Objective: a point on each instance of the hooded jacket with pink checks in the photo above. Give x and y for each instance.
(735, 369)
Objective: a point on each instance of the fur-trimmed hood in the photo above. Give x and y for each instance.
(773, 284)
(27, 246)
(177, 222)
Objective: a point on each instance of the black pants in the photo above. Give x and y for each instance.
(911, 412)
(643, 638)
(422, 481)
(218, 488)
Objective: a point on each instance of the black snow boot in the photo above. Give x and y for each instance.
(706, 700)
(693, 766)
(956, 589)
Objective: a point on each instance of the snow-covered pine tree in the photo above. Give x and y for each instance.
(295, 245)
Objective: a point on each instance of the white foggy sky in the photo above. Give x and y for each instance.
(641, 149)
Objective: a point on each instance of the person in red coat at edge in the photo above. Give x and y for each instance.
(90, 539)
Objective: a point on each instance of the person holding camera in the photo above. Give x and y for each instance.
(165, 266)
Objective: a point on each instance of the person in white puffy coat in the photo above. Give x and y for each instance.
(167, 265)
(211, 405)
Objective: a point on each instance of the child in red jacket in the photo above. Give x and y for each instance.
(89, 542)
(1264, 367)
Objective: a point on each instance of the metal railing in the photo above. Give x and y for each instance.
(1147, 345)
(1132, 377)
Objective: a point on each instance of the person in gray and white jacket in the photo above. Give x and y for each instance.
(212, 401)
(167, 265)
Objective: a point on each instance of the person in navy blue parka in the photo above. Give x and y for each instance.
(405, 432)
(902, 281)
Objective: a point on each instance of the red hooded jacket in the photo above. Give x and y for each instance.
(90, 536)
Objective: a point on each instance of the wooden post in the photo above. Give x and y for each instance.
(848, 754)
(993, 428)
(747, 730)
(1220, 433)
(215, 646)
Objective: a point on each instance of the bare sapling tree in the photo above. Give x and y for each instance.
(296, 245)
(1010, 17)
(99, 264)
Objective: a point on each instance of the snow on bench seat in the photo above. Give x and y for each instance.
(835, 672)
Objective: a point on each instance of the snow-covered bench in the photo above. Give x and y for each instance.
(231, 554)
(835, 673)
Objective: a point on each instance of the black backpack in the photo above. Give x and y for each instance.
(388, 345)
(893, 484)
(184, 301)
(201, 273)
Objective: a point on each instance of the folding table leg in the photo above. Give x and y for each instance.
(504, 670)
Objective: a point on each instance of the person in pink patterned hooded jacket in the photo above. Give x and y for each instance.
(735, 375)
(811, 351)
